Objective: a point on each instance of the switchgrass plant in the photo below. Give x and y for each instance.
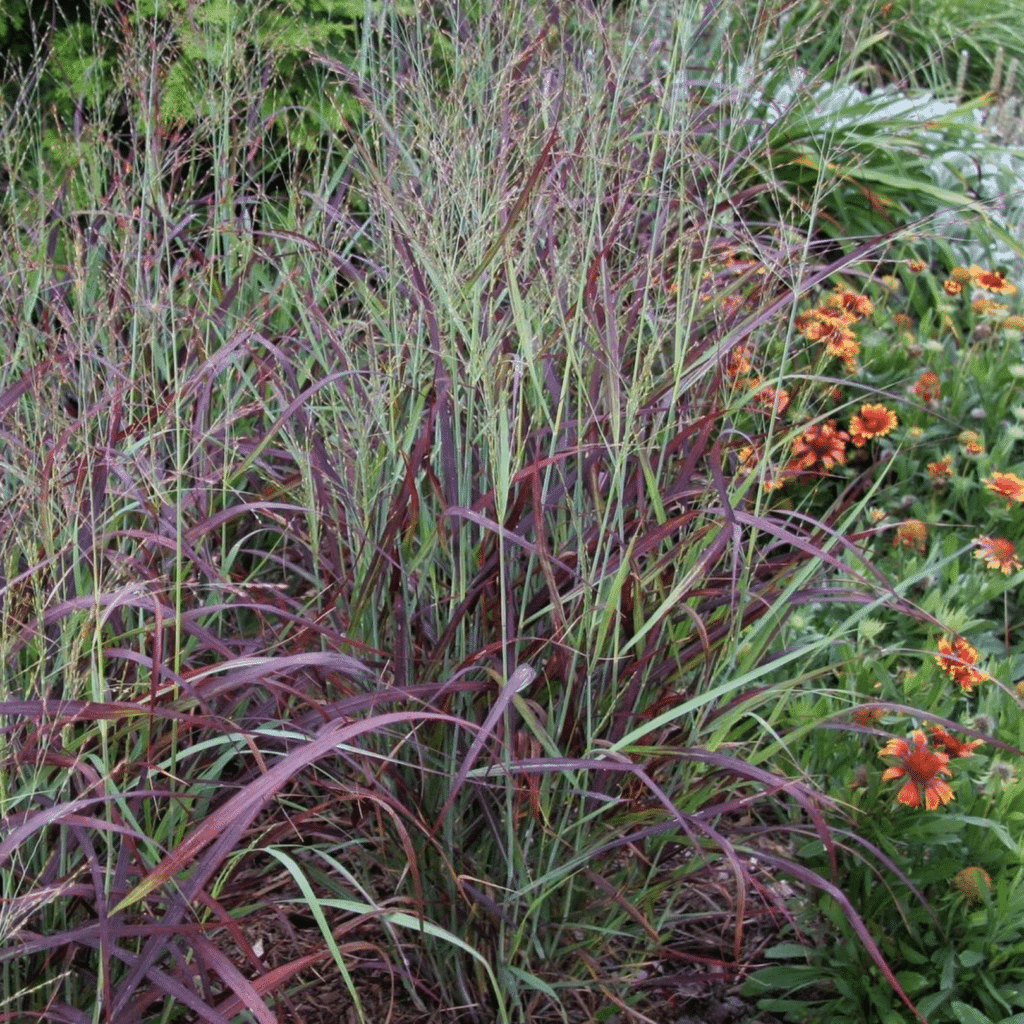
(400, 616)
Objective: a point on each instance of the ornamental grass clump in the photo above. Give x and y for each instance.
(387, 606)
(437, 558)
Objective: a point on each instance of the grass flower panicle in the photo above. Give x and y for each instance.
(921, 767)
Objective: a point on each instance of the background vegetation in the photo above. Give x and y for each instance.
(482, 486)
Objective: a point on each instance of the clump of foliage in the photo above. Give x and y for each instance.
(424, 580)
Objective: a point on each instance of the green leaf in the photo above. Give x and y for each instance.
(790, 978)
(972, 957)
(968, 1014)
(911, 955)
(782, 950)
(912, 981)
(948, 960)
(928, 1004)
(995, 827)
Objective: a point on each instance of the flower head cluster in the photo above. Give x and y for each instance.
(740, 369)
(750, 460)
(921, 768)
(831, 324)
(738, 363)
(957, 659)
(868, 714)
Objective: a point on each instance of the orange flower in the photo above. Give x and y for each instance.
(903, 321)
(832, 326)
(948, 744)
(928, 386)
(916, 266)
(825, 324)
(952, 287)
(872, 421)
(858, 305)
(739, 362)
(921, 767)
(820, 445)
(913, 534)
(749, 460)
(731, 303)
(773, 400)
(997, 553)
(991, 280)
(958, 659)
(868, 714)
(846, 348)
(982, 306)
(1009, 485)
(942, 468)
